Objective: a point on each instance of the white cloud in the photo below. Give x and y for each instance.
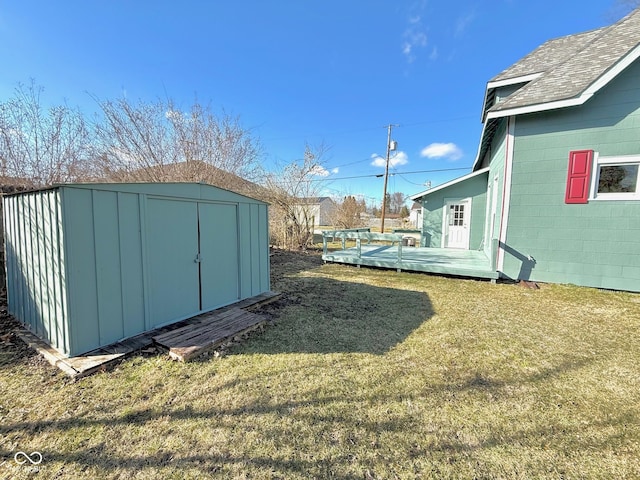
(413, 39)
(319, 171)
(399, 158)
(335, 170)
(414, 36)
(449, 151)
(463, 23)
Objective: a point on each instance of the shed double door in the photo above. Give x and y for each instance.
(192, 258)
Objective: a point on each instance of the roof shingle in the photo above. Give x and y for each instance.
(569, 65)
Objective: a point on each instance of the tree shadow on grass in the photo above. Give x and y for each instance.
(323, 315)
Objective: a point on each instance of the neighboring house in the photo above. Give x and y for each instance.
(191, 171)
(415, 215)
(554, 193)
(315, 211)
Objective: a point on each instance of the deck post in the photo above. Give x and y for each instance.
(494, 254)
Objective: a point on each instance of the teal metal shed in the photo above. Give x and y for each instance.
(90, 264)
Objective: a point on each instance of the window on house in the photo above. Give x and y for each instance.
(456, 215)
(617, 178)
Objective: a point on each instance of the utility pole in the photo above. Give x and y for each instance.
(390, 147)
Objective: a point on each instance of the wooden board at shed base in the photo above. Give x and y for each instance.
(106, 357)
(208, 333)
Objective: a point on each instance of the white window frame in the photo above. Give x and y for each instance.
(599, 161)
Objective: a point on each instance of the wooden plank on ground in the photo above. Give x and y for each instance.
(75, 367)
(187, 330)
(198, 334)
(187, 343)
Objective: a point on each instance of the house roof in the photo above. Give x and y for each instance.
(562, 72)
(313, 200)
(194, 171)
(566, 71)
(418, 196)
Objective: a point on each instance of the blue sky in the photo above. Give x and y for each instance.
(298, 71)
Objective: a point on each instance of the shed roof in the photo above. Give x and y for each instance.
(169, 189)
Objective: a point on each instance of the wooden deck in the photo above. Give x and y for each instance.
(105, 357)
(465, 263)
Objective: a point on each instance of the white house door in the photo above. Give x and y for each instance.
(456, 223)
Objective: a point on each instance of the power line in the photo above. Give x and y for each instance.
(380, 175)
(366, 129)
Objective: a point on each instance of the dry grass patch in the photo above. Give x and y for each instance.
(364, 374)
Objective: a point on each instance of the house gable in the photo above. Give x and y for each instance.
(573, 68)
(561, 73)
(473, 186)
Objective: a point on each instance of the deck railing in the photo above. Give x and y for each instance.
(359, 235)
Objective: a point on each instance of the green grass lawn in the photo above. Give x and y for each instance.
(363, 374)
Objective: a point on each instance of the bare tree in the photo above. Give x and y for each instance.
(396, 201)
(40, 146)
(348, 213)
(289, 191)
(158, 142)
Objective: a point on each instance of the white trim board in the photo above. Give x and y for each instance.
(448, 184)
(506, 190)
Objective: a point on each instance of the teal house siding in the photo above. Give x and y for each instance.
(434, 203)
(92, 264)
(594, 244)
(553, 121)
(495, 159)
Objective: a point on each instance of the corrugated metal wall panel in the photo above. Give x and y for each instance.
(35, 265)
(106, 269)
(133, 310)
(81, 269)
(264, 263)
(254, 220)
(244, 229)
(108, 274)
(219, 254)
(59, 289)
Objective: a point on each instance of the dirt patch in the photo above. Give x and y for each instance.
(12, 348)
(285, 263)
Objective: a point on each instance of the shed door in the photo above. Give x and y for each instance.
(172, 240)
(456, 225)
(219, 282)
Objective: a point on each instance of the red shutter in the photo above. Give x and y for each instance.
(578, 176)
